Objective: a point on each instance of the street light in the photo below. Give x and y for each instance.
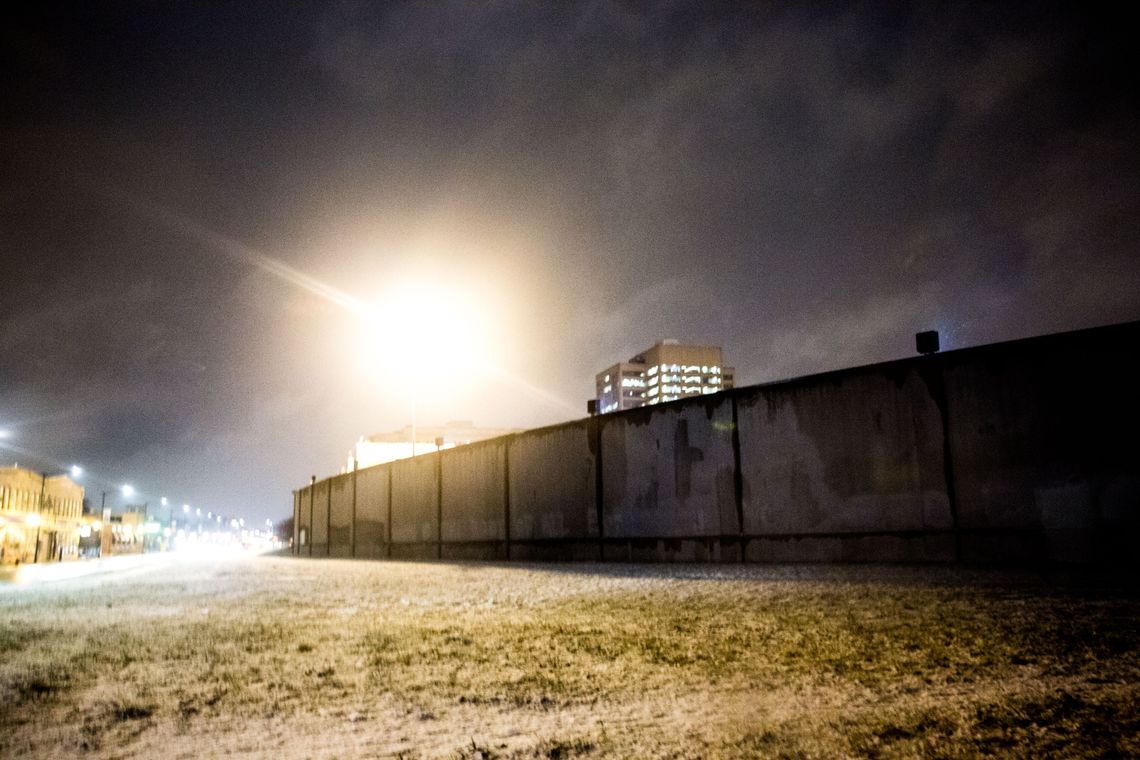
(128, 492)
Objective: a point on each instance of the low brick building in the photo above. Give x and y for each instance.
(40, 516)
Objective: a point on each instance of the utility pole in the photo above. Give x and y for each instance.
(43, 486)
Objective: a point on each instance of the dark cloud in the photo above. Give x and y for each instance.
(805, 186)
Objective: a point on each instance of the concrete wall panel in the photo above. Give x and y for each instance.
(474, 492)
(415, 508)
(857, 451)
(668, 471)
(1044, 444)
(372, 511)
(297, 521)
(552, 483)
(340, 516)
(304, 528)
(319, 507)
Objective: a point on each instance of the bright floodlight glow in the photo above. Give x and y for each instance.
(128, 491)
(185, 507)
(76, 471)
(427, 328)
(4, 433)
(164, 501)
(33, 520)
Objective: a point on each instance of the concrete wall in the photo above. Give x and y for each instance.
(415, 507)
(1024, 452)
(319, 511)
(340, 516)
(857, 452)
(553, 493)
(1045, 447)
(297, 520)
(474, 499)
(372, 512)
(667, 473)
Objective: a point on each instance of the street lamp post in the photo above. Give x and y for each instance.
(39, 517)
(104, 543)
(34, 520)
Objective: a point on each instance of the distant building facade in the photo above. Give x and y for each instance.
(387, 447)
(668, 371)
(40, 516)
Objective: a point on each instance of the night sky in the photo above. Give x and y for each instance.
(196, 199)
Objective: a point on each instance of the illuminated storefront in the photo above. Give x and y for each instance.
(40, 516)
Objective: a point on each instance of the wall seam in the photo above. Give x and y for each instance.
(352, 523)
(738, 480)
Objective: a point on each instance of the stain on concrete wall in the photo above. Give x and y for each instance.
(856, 451)
(552, 483)
(663, 471)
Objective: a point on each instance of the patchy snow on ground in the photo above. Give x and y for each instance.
(283, 657)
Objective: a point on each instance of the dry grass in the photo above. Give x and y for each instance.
(281, 657)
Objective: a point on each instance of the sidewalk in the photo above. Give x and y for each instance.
(48, 572)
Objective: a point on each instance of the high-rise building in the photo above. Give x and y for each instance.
(668, 371)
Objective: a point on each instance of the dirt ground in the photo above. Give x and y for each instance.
(281, 657)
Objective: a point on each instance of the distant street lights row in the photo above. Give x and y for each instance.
(128, 491)
(43, 518)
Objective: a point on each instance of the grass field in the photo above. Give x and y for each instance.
(276, 657)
